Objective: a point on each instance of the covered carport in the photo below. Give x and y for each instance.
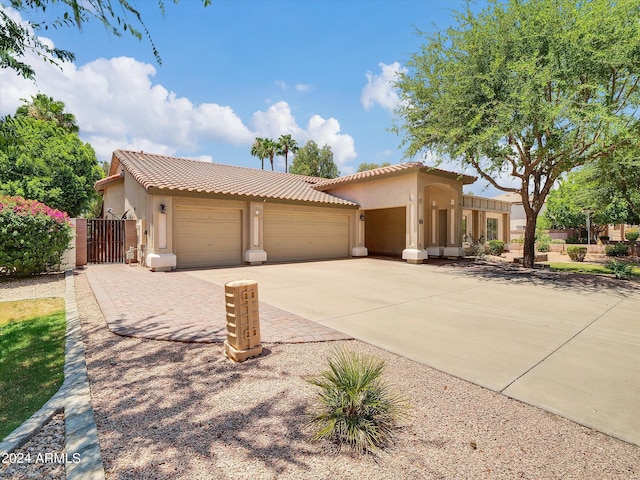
(385, 231)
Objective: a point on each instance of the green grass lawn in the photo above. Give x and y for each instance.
(579, 267)
(32, 339)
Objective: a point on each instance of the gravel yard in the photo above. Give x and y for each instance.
(172, 410)
(175, 410)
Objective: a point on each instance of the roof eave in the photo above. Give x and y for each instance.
(247, 198)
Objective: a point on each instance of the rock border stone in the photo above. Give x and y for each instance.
(74, 399)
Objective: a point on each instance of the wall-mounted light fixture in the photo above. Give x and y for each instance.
(257, 212)
(362, 217)
(162, 210)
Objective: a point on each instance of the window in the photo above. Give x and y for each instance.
(464, 228)
(492, 228)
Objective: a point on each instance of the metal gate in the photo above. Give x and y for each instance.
(105, 240)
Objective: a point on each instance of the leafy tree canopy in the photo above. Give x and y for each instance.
(315, 162)
(43, 161)
(363, 167)
(526, 89)
(580, 192)
(46, 108)
(114, 15)
(619, 177)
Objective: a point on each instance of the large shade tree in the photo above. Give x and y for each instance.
(314, 161)
(40, 160)
(117, 16)
(525, 91)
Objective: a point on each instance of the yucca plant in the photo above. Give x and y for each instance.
(355, 407)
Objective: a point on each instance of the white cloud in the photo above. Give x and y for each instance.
(278, 120)
(379, 88)
(281, 84)
(301, 87)
(327, 132)
(118, 106)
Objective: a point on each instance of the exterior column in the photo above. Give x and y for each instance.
(412, 253)
(160, 257)
(360, 250)
(256, 254)
(454, 249)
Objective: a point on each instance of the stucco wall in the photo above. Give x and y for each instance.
(386, 192)
(113, 198)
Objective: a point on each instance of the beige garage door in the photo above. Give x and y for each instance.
(292, 236)
(207, 237)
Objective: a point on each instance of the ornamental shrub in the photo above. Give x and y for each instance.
(33, 237)
(616, 250)
(496, 247)
(577, 253)
(354, 406)
(632, 234)
(620, 269)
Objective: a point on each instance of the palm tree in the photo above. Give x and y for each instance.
(286, 144)
(43, 107)
(270, 148)
(258, 150)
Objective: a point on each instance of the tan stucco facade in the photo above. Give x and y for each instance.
(413, 214)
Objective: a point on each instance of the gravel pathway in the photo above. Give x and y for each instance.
(182, 411)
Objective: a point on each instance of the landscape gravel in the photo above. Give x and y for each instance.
(41, 458)
(41, 286)
(171, 410)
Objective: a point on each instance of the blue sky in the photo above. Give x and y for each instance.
(316, 69)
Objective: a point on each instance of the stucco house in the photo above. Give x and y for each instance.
(192, 214)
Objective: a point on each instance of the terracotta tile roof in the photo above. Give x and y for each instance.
(172, 173)
(390, 170)
(99, 185)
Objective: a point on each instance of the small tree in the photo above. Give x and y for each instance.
(33, 237)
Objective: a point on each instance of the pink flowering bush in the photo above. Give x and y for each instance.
(33, 236)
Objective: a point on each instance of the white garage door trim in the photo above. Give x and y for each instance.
(207, 237)
(293, 236)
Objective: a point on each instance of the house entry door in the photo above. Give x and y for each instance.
(442, 228)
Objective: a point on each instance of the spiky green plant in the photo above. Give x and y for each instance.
(355, 406)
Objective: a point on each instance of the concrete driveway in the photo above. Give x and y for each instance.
(571, 347)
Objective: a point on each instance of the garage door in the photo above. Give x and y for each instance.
(207, 237)
(292, 236)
